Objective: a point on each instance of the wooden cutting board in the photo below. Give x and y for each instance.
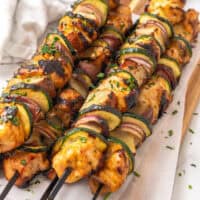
(192, 98)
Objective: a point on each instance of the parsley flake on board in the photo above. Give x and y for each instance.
(169, 147)
(174, 112)
(190, 187)
(170, 132)
(193, 165)
(191, 131)
(136, 174)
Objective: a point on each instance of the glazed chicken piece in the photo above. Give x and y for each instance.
(26, 164)
(171, 9)
(189, 27)
(114, 171)
(81, 152)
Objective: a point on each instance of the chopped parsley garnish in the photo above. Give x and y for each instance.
(23, 162)
(83, 139)
(50, 49)
(100, 75)
(136, 174)
(92, 86)
(179, 174)
(131, 83)
(107, 196)
(178, 102)
(174, 112)
(190, 187)
(191, 131)
(169, 147)
(193, 165)
(92, 97)
(15, 121)
(170, 133)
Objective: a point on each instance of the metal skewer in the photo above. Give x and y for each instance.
(97, 192)
(50, 187)
(59, 184)
(9, 185)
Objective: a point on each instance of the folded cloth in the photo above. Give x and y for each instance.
(23, 23)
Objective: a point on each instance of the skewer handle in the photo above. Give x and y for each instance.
(9, 185)
(97, 192)
(48, 190)
(59, 184)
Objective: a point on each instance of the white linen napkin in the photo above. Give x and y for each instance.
(23, 22)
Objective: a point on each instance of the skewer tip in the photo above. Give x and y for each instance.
(59, 184)
(97, 192)
(9, 185)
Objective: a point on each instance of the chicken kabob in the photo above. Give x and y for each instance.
(80, 149)
(33, 152)
(28, 96)
(153, 100)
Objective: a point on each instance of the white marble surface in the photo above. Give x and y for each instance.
(188, 169)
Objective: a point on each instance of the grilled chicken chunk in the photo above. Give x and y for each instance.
(81, 152)
(27, 164)
(114, 171)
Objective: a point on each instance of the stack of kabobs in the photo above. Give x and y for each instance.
(45, 94)
(116, 116)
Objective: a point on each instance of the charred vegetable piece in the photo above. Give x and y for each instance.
(126, 137)
(180, 50)
(138, 55)
(97, 124)
(136, 125)
(33, 92)
(157, 21)
(147, 42)
(52, 43)
(41, 81)
(169, 69)
(78, 141)
(102, 97)
(94, 10)
(110, 115)
(15, 125)
(34, 149)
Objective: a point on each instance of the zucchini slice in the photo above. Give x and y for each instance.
(103, 97)
(41, 81)
(138, 55)
(139, 121)
(126, 138)
(148, 17)
(15, 125)
(34, 149)
(33, 92)
(128, 151)
(51, 37)
(73, 131)
(147, 42)
(172, 64)
(94, 10)
(187, 44)
(110, 115)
